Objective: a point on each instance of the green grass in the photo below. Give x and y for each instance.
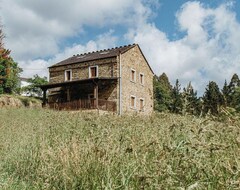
(44, 149)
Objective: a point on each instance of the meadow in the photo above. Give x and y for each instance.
(45, 149)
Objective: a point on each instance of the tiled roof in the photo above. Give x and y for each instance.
(90, 56)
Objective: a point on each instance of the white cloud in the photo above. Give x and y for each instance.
(210, 50)
(40, 66)
(35, 28)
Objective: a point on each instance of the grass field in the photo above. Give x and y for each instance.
(43, 149)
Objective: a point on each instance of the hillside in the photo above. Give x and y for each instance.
(15, 101)
(44, 149)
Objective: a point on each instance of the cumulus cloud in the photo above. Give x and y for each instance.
(210, 49)
(40, 66)
(36, 28)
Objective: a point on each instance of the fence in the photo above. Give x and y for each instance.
(85, 104)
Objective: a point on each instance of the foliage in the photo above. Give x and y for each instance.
(225, 93)
(162, 93)
(176, 95)
(33, 89)
(9, 70)
(1, 37)
(44, 149)
(236, 99)
(233, 85)
(212, 99)
(9, 73)
(191, 103)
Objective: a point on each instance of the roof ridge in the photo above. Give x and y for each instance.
(101, 50)
(93, 55)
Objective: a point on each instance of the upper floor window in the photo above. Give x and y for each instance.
(133, 75)
(141, 78)
(93, 72)
(68, 75)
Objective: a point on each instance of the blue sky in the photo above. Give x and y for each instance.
(195, 41)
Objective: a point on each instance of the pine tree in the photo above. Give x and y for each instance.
(212, 99)
(177, 104)
(225, 93)
(162, 93)
(236, 99)
(234, 83)
(164, 82)
(191, 103)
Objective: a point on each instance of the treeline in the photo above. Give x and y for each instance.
(186, 101)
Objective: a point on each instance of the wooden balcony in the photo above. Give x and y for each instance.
(85, 104)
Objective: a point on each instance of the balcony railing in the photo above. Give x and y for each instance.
(87, 104)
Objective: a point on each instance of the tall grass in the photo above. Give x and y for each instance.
(43, 149)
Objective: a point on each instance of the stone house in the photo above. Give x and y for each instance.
(118, 79)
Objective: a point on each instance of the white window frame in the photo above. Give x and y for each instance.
(141, 99)
(89, 71)
(142, 78)
(134, 75)
(65, 75)
(135, 102)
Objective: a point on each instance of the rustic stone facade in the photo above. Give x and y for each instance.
(133, 60)
(128, 79)
(106, 68)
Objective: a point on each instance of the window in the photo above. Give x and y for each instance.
(141, 78)
(141, 104)
(93, 72)
(68, 75)
(133, 75)
(133, 102)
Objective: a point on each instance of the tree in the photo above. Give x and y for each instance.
(9, 70)
(225, 93)
(233, 85)
(212, 99)
(33, 89)
(191, 103)
(236, 99)
(162, 93)
(176, 104)
(1, 37)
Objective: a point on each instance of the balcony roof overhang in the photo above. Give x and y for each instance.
(74, 82)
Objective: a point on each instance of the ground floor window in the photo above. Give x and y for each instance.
(141, 104)
(133, 102)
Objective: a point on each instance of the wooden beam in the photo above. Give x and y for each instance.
(95, 92)
(44, 97)
(68, 95)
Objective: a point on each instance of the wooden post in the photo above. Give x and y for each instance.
(68, 94)
(95, 92)
(44, 97)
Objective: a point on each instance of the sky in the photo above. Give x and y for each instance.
(197, 41)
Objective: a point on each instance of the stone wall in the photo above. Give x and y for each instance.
(106, 68)
(133, 59)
